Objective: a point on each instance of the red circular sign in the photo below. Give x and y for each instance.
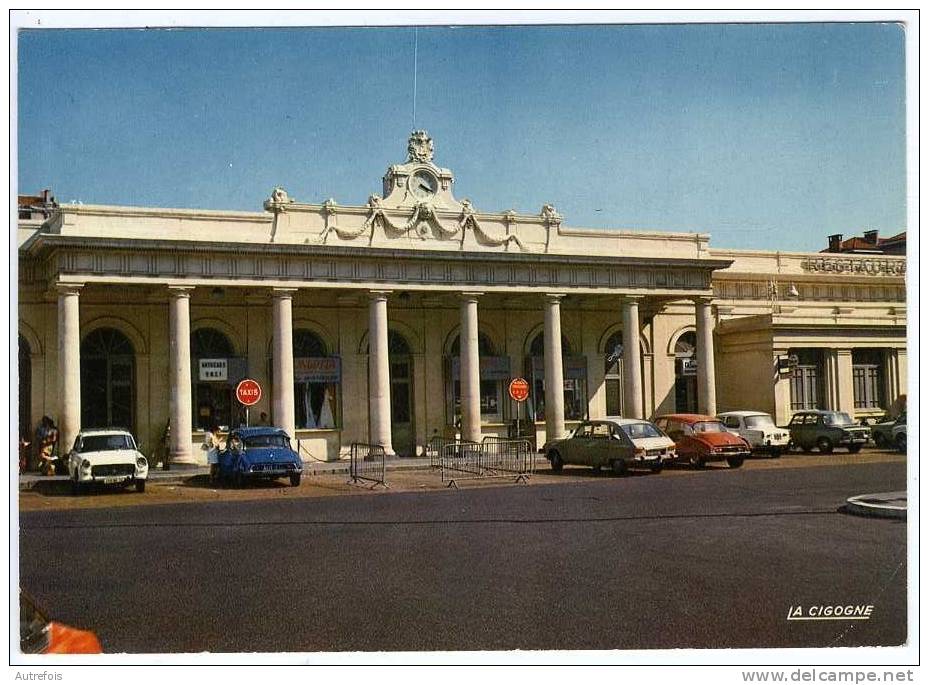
(519, 389)
(248, 392)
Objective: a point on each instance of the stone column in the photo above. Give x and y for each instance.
(632, 360)
(378, 373)
(69, 366)
(470, 372)
(706, 366)
(181, 408)
(282, 360)
(554, 370)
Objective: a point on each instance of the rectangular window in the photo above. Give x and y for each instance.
(806, 386)
(867, 379)
(575, 387)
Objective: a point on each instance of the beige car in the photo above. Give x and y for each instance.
(613, 442)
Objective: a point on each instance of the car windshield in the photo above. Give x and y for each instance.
(709, 427)
(758, 421)
(838, 418)
(105, 443)
(267, 441)
(641, 430)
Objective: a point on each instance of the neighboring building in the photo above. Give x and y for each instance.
(870, 242)
(351, 318)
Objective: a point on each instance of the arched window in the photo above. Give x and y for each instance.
(613, 370)
(317, 382)
(215, 372)
(685, 373)
(107, 380)
(402, 429)
(494, 371)
(25, 388)
(575, 380)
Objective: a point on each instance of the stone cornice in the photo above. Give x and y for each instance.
(45, 242)
(163, 213)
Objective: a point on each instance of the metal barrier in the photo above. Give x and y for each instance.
(493, 458)
(434, 449)
(368, 463)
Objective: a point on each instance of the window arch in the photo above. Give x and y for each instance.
(613, 374)
(107, 379)
(575, 379)
(210, 342)
(317, 382)
(494, 371)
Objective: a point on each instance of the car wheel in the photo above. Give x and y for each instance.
(880, 441)
(596, 468)
(824, 445)
(696, 461)
(775, 454)
(295, 479)
(140, 485)
(557, 463)
(735, 462)
(854, 449)
(901, 443)
(618, 467)
(656, 468)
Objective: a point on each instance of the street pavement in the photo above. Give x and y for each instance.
(714, 559)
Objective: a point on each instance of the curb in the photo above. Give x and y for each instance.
(878, 505)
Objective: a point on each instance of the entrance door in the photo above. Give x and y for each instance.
(107, 362)
(401, 406)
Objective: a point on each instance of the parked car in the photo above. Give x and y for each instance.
(758, 429)
(614, 442)
(107, 457)
(259, 453)
(899, 437)
(699, 439)
(882, 431)
(39, 635)
(826, 430)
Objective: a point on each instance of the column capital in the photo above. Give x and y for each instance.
(379, 294)
(554, 298)
(632, 299)
(68, 288)
(469, 296)
(704, 300)
(180, 290)
(283, 292)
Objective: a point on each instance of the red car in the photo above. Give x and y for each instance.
(39, 635)
(699, 439)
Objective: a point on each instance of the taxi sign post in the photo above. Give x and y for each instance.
(248, 392)
(519, 391)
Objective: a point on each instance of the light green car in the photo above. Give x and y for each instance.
(613, 442)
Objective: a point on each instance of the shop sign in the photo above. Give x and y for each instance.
(214, 369)
(318, 369)
(689, 366)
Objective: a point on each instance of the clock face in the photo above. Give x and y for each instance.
(423, 184)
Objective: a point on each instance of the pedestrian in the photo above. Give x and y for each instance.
(46, 439)
(24, 446)
(212, 443)
(166, 446)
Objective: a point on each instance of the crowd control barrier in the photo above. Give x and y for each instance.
(368, 463)
(435, 447)
(492, 458)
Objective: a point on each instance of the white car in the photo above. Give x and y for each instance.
(109, 457)
(758, 429)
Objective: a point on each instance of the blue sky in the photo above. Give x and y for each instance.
(765, 136)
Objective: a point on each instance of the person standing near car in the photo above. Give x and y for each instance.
(212, 444)
(46, 439)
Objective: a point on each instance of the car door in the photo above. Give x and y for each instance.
(229, 456)
(598, 451)
(575, 445)
(798, 432)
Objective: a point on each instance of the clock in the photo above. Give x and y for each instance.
(423, 184)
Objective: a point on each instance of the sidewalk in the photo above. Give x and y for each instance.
(179, 474)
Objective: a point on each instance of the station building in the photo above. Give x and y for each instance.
(405, 318)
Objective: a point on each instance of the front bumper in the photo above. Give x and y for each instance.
(715, 455)
(854, 438)
(112, 474)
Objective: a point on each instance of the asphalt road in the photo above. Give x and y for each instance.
(714, 559)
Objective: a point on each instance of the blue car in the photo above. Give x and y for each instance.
(259, 452)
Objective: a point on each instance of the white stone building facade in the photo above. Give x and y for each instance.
(404, 318)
